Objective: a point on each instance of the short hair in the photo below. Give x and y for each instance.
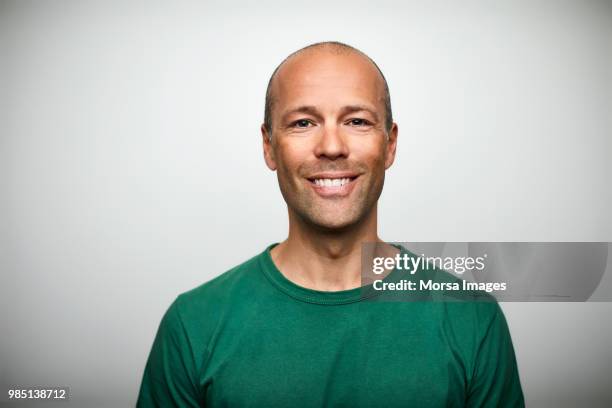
(334, 47)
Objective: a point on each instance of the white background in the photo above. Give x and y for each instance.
(131, 165)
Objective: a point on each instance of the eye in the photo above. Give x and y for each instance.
(301, 123)
(358, 122)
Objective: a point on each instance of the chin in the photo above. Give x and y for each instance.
(333, 222)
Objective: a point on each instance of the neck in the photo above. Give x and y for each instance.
(323, 259)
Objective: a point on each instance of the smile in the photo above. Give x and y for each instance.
(332, 182)
(332, 185)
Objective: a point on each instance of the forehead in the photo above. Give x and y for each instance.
(326, 79)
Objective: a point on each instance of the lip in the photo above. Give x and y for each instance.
(334, 191)
(333, 174)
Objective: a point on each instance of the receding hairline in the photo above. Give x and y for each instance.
(335, 48)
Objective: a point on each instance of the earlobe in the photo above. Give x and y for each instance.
(268, 149)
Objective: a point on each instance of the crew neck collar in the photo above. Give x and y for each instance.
(316, 296)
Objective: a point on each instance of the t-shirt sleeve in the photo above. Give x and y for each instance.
(170, 377)
(495, 381)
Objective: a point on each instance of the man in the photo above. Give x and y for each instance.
(291, 327)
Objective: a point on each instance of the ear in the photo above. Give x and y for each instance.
(391, 146)
(268, 149)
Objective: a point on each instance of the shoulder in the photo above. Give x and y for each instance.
(473, 308)
(186, 333)
(229, 287)
(195, 316)
(466, 314)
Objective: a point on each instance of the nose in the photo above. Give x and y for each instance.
(331, 143)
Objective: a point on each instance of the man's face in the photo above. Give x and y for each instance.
(329, 145)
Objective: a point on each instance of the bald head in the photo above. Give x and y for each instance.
(332, 48)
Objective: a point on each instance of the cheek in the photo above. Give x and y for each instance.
(289, 157)
(369, 152)
(296, 149)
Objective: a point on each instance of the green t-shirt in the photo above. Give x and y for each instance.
(252, 338)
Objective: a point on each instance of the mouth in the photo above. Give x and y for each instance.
(333, 185)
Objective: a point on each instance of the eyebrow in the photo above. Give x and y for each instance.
(359, 108)
(307, 109)
(345, 110)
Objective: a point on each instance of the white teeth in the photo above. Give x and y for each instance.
(338, 182)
